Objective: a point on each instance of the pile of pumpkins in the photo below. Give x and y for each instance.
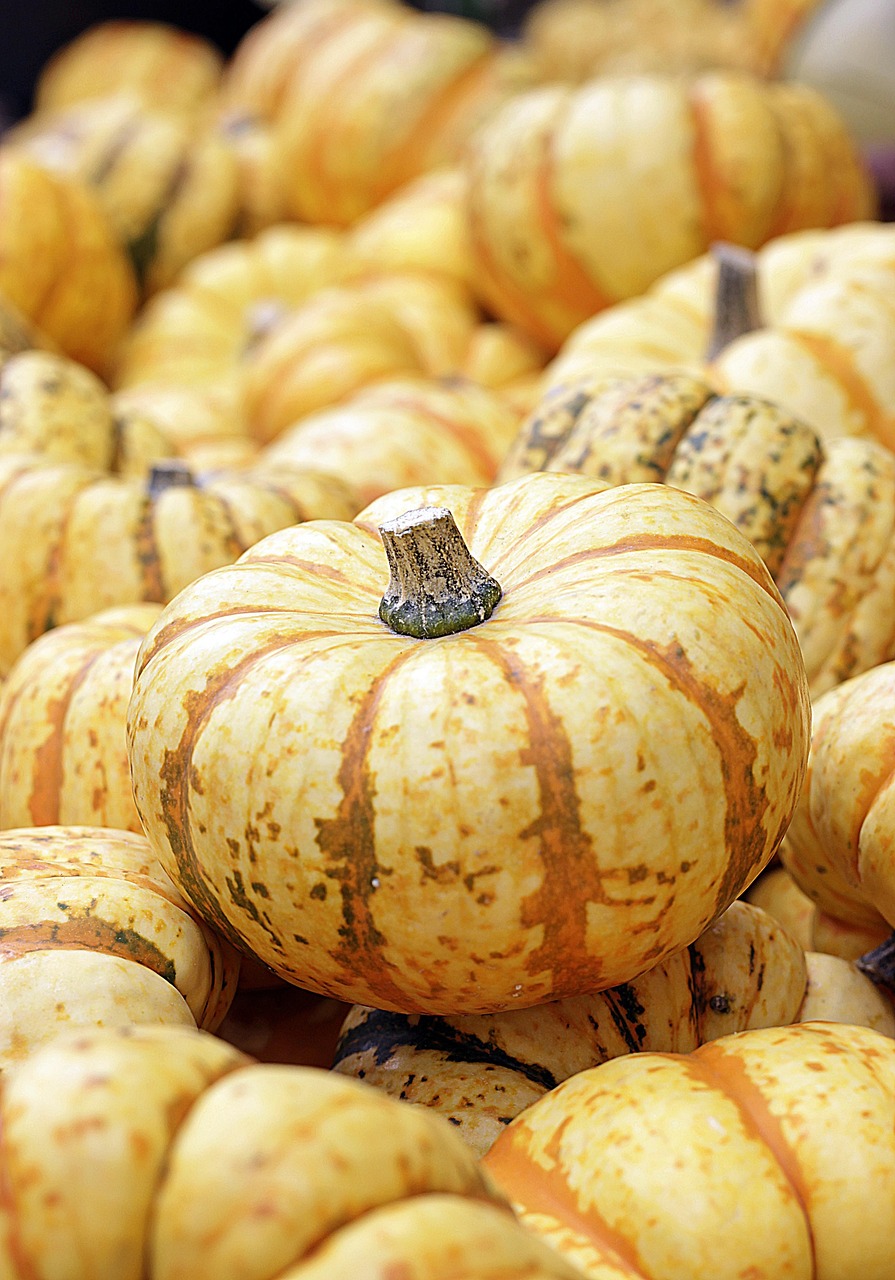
(447, 660)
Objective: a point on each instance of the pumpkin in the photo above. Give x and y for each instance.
(576, 39)
(76, 540)
(63, 757)
(816, 337)
(16, 333)
(760, 1153)
(164, 65)
(169, 188)
(465, 825)
(820, 513)
(582, 197)
(365, 96)
(840, 849)
(161, 1151)
(400, 432)
(60, 265)
(95, 934)
(744, 971)
(776, 892)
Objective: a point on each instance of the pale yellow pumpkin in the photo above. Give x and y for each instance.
(147, 1153)
(466, 826)
(768, 1153)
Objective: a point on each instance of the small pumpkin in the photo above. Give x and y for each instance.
(164, 1151)
(60, 265)
(581, 197)
(401, 432)
(820, 512)
(744, 971)
(63, 756)
(168, 186)
(95, 934)
(759, 1152)
(466, 826)
(776, 892)
(77, 540)
(164, 65)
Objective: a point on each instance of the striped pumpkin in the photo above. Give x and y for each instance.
(545, 803)
(480, 1072)
(95, 934)
(769, 1153)
(820, 513)
(76, 540)
(582, 197)
(149, 1152)
(63, 755)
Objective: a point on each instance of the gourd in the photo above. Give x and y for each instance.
(150, 1152)
(76, 540)
(758, 1152)
(813, 330)
(581, 197)
(820, 512)
(63, 755)
(839, 852)
(401, 432)
(167, 184)
(60, 265)
(463, 828)
(95, 934)
(164, 65)
(744, 971)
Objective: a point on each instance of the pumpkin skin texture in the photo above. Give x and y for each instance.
(95, 541)
(757, 1153)
(532, 869)
(151, 1153)
(63, 754)
(95, 934)
(60, 264)
(821, 513)
(562, 226)
(744, 972)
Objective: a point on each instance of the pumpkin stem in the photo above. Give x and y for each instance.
(168, 475)
(879, 965)
(437, 587)
(736, 296)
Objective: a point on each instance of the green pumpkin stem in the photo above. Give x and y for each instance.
(168, 475)
(437, 587)
(736, 296)
(879, 965)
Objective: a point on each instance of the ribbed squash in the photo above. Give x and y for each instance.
(477, 820)
(743, 972)
(364, 96)
(63, 755)
(154, 1152)
(582, 197)
(164, 65)
(60, 265)
(819, 342)
(168, 186)
(96, 935)
(763, 1154)
(820, 513)
(76, 540)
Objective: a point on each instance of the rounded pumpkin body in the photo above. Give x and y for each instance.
(459, 823)
(96, 935)
(820, 513)
(242, 1169)
(761, 1152)
(563, 225)
(63, 755)
(60, 264)
(78, 541)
